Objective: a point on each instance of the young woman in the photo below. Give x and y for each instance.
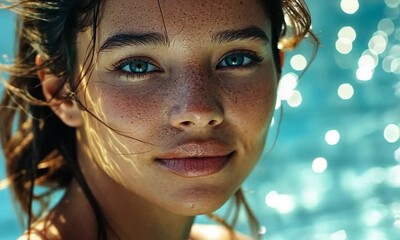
(147, 113)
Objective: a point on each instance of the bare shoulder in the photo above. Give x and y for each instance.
(48, 227)
(41, 230)
(214, 232)
(34, 235)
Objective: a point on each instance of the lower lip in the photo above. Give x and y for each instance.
(195, 167)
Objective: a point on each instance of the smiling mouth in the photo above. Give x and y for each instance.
(195, 166)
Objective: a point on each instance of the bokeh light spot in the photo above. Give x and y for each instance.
(332, 137)
(396, 223)
(386, 25)
(397, 154)
(368, 60)
(376, 234)
(262, 230)
(395, 66)
(344, 46)
(392, 3)
(319, 165)
(283, 203)
(310, 198)
(347, 32)
(286, 85)
(372, 217)
(377, 44)
(393, 176)
(364, 74)
(395, 49)
(345, 91)
(295, 99)
(391, 133)
(278, 104)
(375, 175)
(387, 64)
(349, 6)
(397, 34)
(339, 235)
(5, 56)
(298, 62)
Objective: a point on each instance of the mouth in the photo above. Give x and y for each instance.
(190, 167)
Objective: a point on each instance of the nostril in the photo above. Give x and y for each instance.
(186, 123)
(195, 120)
(213, 122)
(190, 123)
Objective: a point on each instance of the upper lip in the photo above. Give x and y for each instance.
(197, 149)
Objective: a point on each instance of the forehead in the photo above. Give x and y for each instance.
(180, 17)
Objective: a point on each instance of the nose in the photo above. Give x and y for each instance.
(197, 109)
(196, 119)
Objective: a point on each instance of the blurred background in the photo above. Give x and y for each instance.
(334, 173)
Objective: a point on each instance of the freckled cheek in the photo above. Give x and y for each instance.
(128, 106)
(252, 106)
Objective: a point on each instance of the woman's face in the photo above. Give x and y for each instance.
(187, 90)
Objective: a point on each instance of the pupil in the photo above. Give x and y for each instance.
(235, 60)
(138, 67)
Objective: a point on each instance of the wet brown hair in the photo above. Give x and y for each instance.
(39, 148)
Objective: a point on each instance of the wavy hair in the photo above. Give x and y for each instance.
(39, 148)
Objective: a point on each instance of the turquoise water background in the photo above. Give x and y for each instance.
(9, 226)
(314, 185)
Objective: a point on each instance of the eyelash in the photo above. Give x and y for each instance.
(119, 66)
(252, 56)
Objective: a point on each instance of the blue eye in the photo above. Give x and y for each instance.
(239, 59)
(138, 67)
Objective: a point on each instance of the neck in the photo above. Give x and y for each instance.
(128, 215)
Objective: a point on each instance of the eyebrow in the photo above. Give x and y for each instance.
(136, 39)
(251, 33)
(133, 39)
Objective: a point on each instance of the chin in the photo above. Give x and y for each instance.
(197, 208)
(199, 201)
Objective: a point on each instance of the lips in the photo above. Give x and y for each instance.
(196, 159)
